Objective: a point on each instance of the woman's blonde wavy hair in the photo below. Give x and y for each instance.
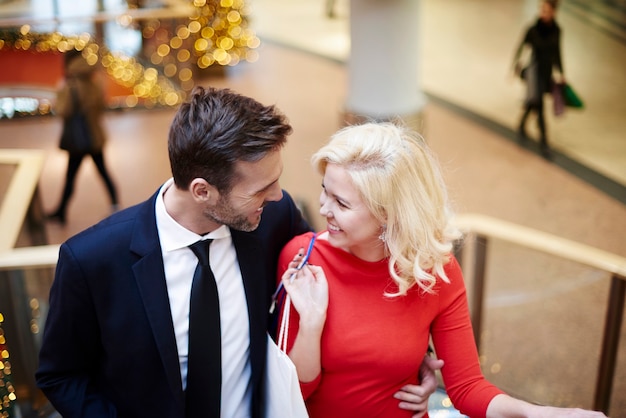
(400, 181)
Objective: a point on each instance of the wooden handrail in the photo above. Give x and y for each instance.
(485, 228)
(26, 258)
(20, 192)
(542, 242)
(46, 256)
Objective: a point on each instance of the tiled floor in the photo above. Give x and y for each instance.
(487, 172)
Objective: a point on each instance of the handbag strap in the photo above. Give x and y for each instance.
(283, 331)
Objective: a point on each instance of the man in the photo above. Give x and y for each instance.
(116, 336)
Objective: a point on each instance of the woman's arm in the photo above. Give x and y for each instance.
(504, 406)
(63, 105)
(309, 295)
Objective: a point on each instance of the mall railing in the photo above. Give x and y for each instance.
(27, 262)
(484, 229)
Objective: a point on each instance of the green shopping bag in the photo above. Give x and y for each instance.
(571, 98)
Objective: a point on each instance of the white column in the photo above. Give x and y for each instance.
(384, 58)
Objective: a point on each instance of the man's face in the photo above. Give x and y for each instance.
(256, 184)
(546, 12)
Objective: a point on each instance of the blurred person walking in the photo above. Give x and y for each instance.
(544, 40)
(80, 102)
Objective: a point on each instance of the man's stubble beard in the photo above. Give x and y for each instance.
(223, 214)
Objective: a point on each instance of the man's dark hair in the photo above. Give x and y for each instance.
(216, 128)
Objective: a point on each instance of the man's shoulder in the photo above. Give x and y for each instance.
(114, 227)
(299, 241)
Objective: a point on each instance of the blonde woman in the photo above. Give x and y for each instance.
(381, 281)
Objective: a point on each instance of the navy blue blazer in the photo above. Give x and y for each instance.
(108, 347)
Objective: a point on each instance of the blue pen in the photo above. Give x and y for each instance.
(304, 260)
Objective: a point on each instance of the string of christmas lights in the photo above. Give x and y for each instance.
(216, 33)
(7, 391)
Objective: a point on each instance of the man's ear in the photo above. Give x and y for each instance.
(202, 191)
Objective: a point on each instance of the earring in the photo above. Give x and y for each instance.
(383, 236)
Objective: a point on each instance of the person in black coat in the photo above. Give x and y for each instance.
(544, 40)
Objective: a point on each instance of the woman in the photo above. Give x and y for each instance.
(382, 281)
(82, 93)
(544, 40)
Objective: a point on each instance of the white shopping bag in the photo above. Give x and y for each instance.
(284, 397)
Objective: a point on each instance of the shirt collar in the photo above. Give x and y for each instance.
(172, 234)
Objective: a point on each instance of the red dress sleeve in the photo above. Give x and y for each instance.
(453, 338)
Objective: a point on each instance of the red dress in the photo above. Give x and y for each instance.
(372, 345)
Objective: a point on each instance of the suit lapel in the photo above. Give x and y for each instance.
(252, 259)
(150, 277)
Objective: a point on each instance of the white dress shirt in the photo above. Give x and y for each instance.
(180, 263)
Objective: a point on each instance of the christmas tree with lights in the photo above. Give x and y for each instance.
(7, 391)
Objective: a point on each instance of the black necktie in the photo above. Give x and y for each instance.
(204, 364)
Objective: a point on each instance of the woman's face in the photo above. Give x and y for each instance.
(546, 12)
(351, 226)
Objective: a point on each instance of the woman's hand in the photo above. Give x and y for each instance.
(308, 290)
(309, 295)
